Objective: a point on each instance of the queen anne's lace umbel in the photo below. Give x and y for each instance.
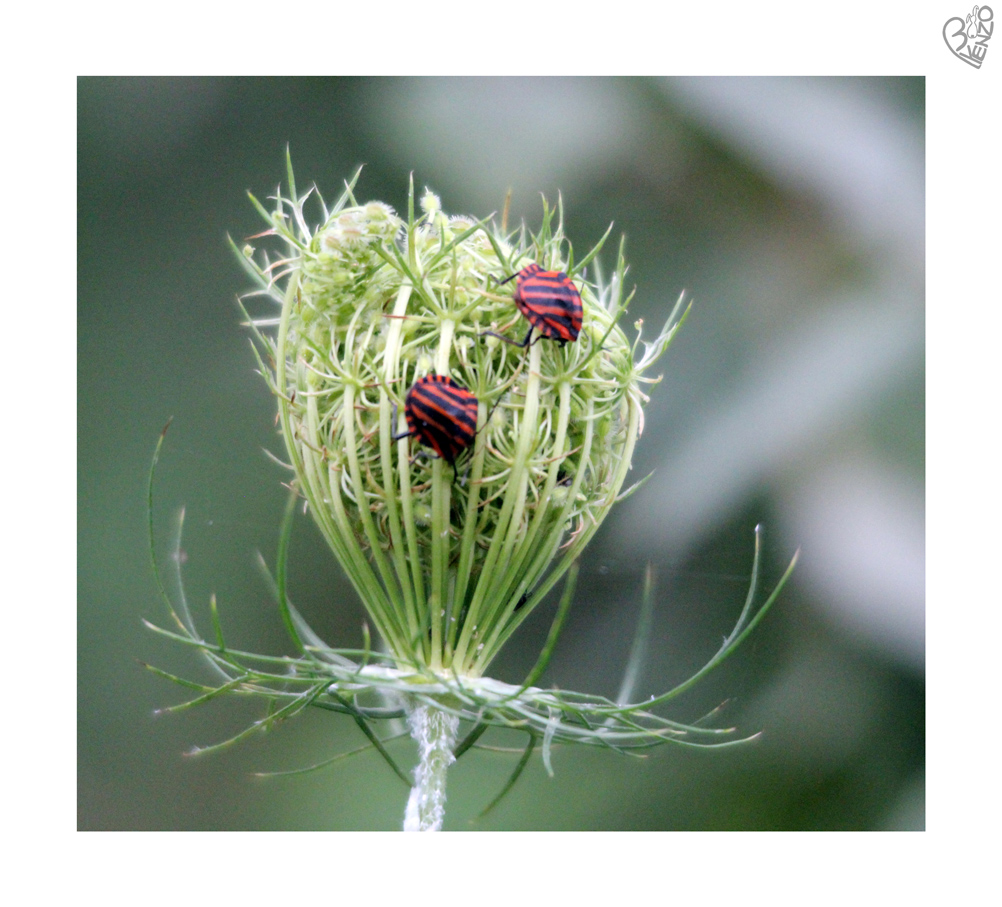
(448, 561)
(448, 558)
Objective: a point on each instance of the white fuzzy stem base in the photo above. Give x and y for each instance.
(435, 734)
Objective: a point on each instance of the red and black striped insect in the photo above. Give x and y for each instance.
(442, 415)
(550, 302)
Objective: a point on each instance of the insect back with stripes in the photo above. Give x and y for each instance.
(549, 301)
(442, 415)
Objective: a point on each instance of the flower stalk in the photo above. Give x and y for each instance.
(435, 733)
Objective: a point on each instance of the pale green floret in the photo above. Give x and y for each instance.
(431, 204)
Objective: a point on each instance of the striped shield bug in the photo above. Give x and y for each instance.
(441, 415)
(549, 301)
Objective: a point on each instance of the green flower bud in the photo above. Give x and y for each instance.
(449, 557)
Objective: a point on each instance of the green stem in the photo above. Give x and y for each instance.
(391, 361)
(441, 541)
(488, 599)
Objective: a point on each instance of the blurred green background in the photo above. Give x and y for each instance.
(791, 210)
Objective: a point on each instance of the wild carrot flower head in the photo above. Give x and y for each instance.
(459, 407)
(452, 520)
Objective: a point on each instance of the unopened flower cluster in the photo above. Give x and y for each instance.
(447, 560)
